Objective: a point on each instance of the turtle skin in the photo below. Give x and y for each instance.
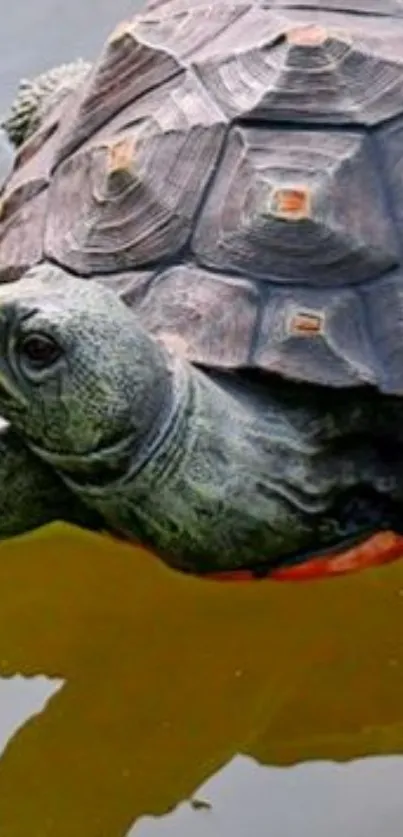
(234, 171)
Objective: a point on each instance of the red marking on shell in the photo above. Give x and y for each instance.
(306, 323)
(291, 204)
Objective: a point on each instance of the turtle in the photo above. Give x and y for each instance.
(201, 301)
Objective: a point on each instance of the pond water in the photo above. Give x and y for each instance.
(135, 701)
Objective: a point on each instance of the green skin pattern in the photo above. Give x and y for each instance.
(209, 473)
(212, 472)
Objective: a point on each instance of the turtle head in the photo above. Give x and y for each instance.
(78, 374)
(37, 97)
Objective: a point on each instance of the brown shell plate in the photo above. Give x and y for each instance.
(235, 171)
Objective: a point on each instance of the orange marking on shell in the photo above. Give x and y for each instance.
(124, 29)
(292, 204)
(307, 35)
(306, 324)
(120, 156)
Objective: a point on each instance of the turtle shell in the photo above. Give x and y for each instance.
(235, 171)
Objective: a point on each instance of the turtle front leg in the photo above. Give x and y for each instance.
(31, 494)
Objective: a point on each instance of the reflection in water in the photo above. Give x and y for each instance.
(167, 678)
(20, 699)
(360, 799)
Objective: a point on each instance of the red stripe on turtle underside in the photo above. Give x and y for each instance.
(381, 548)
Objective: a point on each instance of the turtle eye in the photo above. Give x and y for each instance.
(39, 350)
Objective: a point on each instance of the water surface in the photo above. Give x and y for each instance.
(134, 701)
(165, 683)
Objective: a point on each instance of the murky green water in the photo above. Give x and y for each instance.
(134, 701)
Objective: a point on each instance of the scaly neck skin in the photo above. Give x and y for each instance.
(98, 471)
(220, 483)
